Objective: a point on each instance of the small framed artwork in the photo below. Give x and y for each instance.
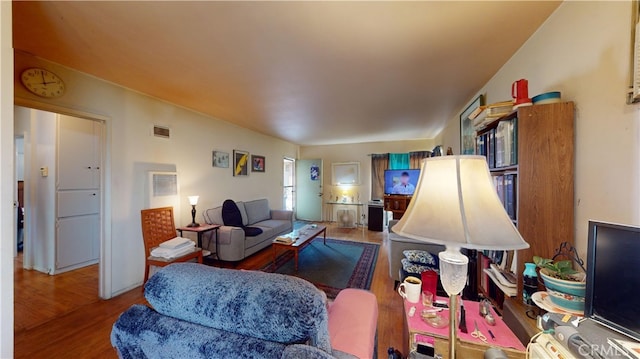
(240, 163)
(220, 159)
(315, 173)
(467, 132)
(257, 163)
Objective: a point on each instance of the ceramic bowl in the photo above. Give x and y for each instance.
(547, 97)
(577, 289)
(566, 301)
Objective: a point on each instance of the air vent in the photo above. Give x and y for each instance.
(161, 131)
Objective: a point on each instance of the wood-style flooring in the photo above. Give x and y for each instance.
(62, 317)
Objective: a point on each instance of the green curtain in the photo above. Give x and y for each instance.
(399, 161)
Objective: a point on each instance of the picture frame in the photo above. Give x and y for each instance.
(467, 132)
(258, 163)
(345, 173)
(314, 173)
(220, 159)
(240, 163)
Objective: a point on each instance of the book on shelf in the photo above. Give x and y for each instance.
(506, 188)
(499, 109)
(506, 153)
(499, 183)
(510, 182)
(491, 148)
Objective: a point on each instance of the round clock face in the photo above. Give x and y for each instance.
(42, 82)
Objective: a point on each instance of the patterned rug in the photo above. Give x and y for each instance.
(332, 267)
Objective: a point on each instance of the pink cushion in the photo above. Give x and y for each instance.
(353, 319)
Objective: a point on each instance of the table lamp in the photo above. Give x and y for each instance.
(193, 200)
(455, 204)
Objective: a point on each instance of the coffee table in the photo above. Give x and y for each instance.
(301, 238)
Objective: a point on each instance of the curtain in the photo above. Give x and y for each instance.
(415, 158)
(379, 163)
(399, 161)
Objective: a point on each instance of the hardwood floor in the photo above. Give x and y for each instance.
(62, 317)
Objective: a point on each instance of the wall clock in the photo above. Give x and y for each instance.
(42, 82)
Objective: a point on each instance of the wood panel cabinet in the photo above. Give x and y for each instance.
(544, 178)
(396, 204)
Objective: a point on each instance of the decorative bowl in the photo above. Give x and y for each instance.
(566, 293)
(566, 301)
(577, 288)
(547, 97)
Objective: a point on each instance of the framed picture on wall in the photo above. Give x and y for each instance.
(467, 132)
(221, 159)
(315, 173)
(257, 163)
(240, 163)
(345, 173)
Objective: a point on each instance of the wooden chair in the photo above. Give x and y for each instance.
(158, 226)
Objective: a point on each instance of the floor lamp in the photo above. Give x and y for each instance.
(456, 205)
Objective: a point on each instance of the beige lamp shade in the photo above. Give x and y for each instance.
(455, 204)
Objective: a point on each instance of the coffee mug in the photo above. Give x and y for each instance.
(410, 289)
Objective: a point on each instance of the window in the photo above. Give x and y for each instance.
(288, 184)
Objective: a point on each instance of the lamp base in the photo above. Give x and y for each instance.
(193, 224)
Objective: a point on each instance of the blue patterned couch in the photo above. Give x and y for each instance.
(204, 312)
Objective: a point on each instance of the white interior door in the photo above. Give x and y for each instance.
(309, 190)
(78, 192)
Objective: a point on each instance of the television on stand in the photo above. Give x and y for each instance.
(613, 277)
(401, 182)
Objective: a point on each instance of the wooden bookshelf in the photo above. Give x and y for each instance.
(545, 179)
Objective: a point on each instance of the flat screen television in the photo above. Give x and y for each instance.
(401, 182)
(613, 277)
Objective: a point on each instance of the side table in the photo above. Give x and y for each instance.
(467, 346)
(200, 230)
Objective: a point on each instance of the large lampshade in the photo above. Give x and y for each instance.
(456, 204)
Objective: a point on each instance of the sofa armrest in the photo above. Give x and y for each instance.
(231, 241)
(282, 215)
(353, 322)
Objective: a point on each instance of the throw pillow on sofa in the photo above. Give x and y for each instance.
(416, 268)
(232, 217)
(421, 257)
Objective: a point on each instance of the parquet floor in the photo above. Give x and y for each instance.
(62, 317)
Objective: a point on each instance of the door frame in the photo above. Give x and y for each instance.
(105, 258)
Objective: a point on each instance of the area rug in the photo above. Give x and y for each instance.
(332, 267)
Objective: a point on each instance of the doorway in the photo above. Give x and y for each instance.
(309, 190)
(63, 198)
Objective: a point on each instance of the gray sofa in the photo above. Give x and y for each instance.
(232, 244)
(398, 244)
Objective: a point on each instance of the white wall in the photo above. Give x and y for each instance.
(357, 152)
(583, 50)
(132, 151)
(7, 232)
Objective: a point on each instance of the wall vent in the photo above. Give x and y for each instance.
(161, 131)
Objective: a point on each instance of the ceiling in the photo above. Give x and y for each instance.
(306, 72)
